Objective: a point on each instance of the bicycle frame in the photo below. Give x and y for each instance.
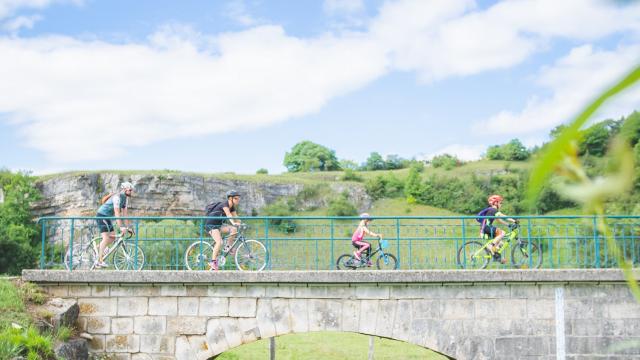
(512, 234)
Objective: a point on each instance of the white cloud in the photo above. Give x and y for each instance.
(10, 7)
(92, 100)
(572, 81)
(14, 25)
(442, 38)
(87, 100)
(238, 12)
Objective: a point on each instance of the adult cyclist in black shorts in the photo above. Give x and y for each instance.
(216, 228)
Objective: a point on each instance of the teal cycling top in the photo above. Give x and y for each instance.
(116, 200)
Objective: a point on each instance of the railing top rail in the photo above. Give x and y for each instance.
(339, 217)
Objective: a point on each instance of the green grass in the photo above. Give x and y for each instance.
(330, 346)
(13, 308)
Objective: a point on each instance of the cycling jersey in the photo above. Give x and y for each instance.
(118, 200)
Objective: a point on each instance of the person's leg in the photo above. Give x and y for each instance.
(217, 243)
(232, 231)
(362, 246)
(108, 236)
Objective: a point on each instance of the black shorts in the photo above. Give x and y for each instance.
(212, 224)
(104, 225)
(490, 230)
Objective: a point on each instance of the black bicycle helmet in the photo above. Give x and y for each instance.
(232, 193)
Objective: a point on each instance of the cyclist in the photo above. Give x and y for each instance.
(357, 240)
(116, 205)
(487, 228)
(215, 228)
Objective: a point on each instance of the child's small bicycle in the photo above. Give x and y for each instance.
(475, 255)
(126, 256)
(385, 261)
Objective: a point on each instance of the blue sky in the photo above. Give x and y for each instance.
(218, 86)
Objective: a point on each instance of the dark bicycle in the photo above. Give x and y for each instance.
(249, 254)
(476, 255)
(384, 261)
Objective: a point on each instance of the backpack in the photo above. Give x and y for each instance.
(483, 212)
(209, 208)
(105, 198)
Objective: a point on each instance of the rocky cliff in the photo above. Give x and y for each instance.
(174, 194)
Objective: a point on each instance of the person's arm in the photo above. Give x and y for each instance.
(370, 233)
(499, 217)
(230, 215)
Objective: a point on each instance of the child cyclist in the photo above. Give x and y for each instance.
(487, 228)
(357, 240)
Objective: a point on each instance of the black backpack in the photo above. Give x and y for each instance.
(483, 212)
(209, 208)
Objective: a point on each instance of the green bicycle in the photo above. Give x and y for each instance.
(127, 255)
(476, 255)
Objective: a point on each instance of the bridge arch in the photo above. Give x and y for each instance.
(465, 314)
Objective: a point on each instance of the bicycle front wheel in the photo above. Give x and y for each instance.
(251, 256)
(84, 257)
(197, 255)
(387, 262)
(473, 255)
(523, 258)
(128, 257)
(346, 262)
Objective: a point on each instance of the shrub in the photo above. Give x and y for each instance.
(445, 161)
(262, 171)
(341, 207)
(350, 175)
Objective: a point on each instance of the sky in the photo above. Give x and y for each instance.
(231, 86)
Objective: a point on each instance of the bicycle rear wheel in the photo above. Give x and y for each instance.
(251, 256)
(521, 258)
(472, 255)
(346, 262)
(387, 262)
(84, 257)
(128, 257)
(197, 255)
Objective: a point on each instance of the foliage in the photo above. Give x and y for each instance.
(281, 208)
(375, 162)
(308, 156)
(31, 343)
(262, 171)
(341, 207)
(350, 175)
(18, 231)
(348, 164)
(595, 139)
(384, 186)
(445, 161)
(513, 150)
(560, 154)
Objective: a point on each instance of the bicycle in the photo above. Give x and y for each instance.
(249, 255)
(385, 260)
(126, 256)
(474, 254)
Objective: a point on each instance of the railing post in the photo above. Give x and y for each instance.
(135, 250)
(398, 241)
(529, 242)
(596, 241)
(268, 241)
(331, 259)
(72, 231)
(42, 254)
(464, 249)
(202, 220)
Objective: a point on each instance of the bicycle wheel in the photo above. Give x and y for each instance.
(346, 262)
(84, 257)
(387, 262)
(472, 255)
(198, 255)
(128, 257)
(521, 258)
(251, 255)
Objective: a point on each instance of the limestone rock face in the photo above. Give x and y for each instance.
(173, 194)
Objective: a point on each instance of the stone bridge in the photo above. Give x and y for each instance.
(496, 314)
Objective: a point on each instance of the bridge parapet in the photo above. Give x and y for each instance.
(463, 314)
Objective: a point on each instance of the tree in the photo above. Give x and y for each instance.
(514, 150)
(394, 162)
(595, 139)
(262, 171)
(375, 162)
(445, 161)
(18, 232)
(630, 129)
(309, 156)
(494, 152)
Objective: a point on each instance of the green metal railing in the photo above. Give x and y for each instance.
(314, 243)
